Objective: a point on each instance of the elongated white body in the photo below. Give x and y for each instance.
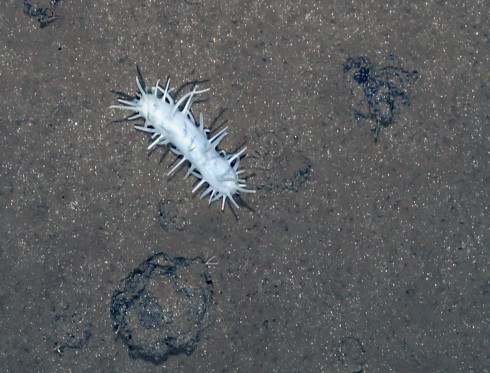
(167, 124)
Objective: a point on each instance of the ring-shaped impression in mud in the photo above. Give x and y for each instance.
(161, 307)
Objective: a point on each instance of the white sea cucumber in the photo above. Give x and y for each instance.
(168, 124)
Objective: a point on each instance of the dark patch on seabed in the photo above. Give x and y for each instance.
(45, 15)
(69, 330)
(168, 215)
(378, 92)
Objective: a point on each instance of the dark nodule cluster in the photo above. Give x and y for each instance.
(381, 90)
